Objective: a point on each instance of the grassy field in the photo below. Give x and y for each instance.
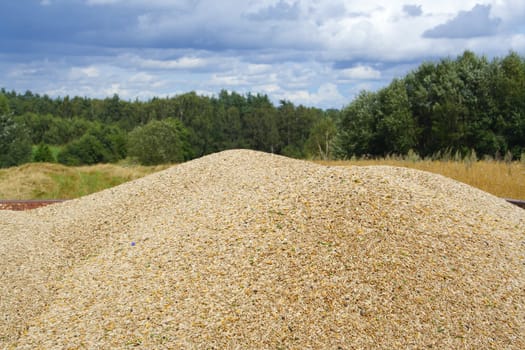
(54, 181)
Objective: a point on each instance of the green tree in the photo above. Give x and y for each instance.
(260, 129)
(510, 91)
(86, 150)
(4, 105)
(197, 115)
(295, 124)
(286, 119)
(396, 127)
(357, 127)
(322, 135)
(158, 142)
(15, 143)
(113, 139)
(480, 130)
(100, 144)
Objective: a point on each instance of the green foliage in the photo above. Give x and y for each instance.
(196, 114)
(101, 144)
(54, 130)
(396, 127)
(86, 150)
(357, 127)
(159, 142)
(510, 92)
(260, 129)
(292, 152)
(452, 106)
(43, 153)
(15, 144)
(320, 143)
(294, 126)
(113, 140)
(4, 105)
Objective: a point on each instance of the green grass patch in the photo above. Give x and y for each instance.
(55, 150)
(56, 181)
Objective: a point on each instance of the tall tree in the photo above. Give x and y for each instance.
(15, 144)
(4, 105)
(396, 129)
(510, 92)
(357, 127)
(320, 143)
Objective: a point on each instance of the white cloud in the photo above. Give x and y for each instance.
(360, 73)
(84, 72)
(308, 51)
(257, 68)
(326, 94)
(181, 63)
(467, 24)
(267, 88)
(22, 72)
(227, 80)
(114, 89)
(141, 78)
(517, 43)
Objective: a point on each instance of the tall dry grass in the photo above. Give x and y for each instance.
(503, 179)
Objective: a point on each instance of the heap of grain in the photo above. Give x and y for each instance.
(243, 249)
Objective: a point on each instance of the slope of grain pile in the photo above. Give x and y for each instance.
(242, 249)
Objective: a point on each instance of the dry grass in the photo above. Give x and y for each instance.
(501, 179)
(242, 249)
(55, 181)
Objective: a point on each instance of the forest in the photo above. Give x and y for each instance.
(468, 105)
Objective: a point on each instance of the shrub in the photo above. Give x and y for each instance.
(43, 154)
(159, 142)
(86, 150)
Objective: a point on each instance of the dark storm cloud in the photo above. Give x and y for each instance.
(96, 27)
(79, 27)
(27, 23)
(467, 24)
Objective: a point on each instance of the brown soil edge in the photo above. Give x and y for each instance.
(20, 205)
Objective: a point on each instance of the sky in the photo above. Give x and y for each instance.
(313, 52)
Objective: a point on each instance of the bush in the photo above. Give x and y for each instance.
(102, 144)
(159, 142)
(86, 150)
(43, 154)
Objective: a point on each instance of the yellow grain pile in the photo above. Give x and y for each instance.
(242, 249)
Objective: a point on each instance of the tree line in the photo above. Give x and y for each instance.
(452, 105)
(462, 105)
(160, 130)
